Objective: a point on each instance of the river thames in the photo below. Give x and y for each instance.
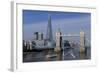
(64, 55)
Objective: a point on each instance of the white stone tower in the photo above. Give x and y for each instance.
(82, 41)
(58, 41)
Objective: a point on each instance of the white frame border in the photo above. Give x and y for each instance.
(16, 59)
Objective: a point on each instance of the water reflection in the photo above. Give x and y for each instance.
(59, 55)
(82, 55)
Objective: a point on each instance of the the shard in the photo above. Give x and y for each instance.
(49, 35)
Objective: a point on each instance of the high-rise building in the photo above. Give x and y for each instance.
(49, 35)
(40, 36)
(36, 36)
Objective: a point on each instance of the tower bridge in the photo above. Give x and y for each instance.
(59, 37)
(60, 46)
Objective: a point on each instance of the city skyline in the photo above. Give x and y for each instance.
(68, 22)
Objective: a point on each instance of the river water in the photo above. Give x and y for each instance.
(71, 54)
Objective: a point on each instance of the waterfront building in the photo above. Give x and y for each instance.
(24, 45)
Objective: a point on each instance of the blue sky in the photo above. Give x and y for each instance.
(69, 22)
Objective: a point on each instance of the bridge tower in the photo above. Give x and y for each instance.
(82, 42)
(58, 44)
